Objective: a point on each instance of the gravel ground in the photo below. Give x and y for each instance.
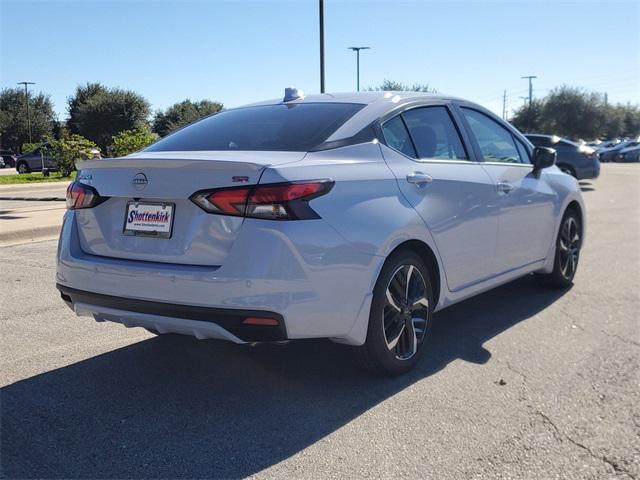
(519, 382)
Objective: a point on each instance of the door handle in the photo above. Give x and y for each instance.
(504, 187)
(419, 178)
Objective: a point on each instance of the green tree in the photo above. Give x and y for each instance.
(81, 96)
(69, 148)
(631, 120)
(130, 141)
(529, 118)
(98, 113)
(578, 114)
(390, 85)
(573, 113)
(183, 113)
(14, 125)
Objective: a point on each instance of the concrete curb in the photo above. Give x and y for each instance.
(26, 235)
(36, 199)
(32, 186)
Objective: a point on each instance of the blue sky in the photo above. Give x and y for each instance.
(241, 51)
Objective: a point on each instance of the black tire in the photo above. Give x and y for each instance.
(412, 319)
(568, 169)
(22, 167)
(568, 245)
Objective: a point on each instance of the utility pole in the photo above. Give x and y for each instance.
(357, 50)
(321, 7)
(504, 105)
(530, 77)
(26, 102)
(528, 112)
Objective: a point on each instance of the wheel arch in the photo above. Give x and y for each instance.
(574, 206)
(428, 256)
(23, 162)
(569, 167)
(573, 202)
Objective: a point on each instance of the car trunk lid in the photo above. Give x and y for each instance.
(166, 180)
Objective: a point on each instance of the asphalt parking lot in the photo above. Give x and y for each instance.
(520, 382)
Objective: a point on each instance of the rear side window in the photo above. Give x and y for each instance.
(294, 128)
(540, 141)
(434, 133)
(396, 136)
(495, 141)
(564, 145)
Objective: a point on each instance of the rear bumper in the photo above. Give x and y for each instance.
(590, 172)
(307, 276)
(200, 322)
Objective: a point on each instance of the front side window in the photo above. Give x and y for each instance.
(522, 150)
(434, 134)
(291, 128)
(495, 141)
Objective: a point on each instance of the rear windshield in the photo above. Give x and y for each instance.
(293, 128)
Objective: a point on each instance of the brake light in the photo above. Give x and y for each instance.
(80, 196)
(278, 201)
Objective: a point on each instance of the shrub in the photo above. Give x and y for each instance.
(29, 147)
(130, 141)
(68, 149)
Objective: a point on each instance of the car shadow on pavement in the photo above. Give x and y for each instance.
(176, 407)
(585, 187)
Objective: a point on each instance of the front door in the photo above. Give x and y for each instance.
(525, 226)
(454, 196)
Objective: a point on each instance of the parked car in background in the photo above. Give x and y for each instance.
(2, 165)
(600, 144)
(629, 154)
(9, 158)
(579, 161)
(348, 216)
(611, 154)
(32, 161)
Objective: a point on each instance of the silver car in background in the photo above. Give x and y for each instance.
(349, 216)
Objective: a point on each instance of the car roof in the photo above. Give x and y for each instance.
(365, 98)
(376, 105)
(560, 139)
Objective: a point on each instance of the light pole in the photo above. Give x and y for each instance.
(26, 102)
(357, 50)
(321, 18)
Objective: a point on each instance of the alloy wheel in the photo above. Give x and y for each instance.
(405, 312)
(569, 247)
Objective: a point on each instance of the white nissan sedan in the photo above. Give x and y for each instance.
(349, 216)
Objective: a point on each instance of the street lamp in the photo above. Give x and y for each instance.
(26, 102)
(357, 50)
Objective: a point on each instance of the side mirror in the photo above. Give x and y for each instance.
(542, 157)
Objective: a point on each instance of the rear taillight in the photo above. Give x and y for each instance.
(276, 201)
(80, 196)
(588, 152)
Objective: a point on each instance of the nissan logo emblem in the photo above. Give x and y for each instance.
(139, 181)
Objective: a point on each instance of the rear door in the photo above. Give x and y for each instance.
(453, 194)
(526, 202)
